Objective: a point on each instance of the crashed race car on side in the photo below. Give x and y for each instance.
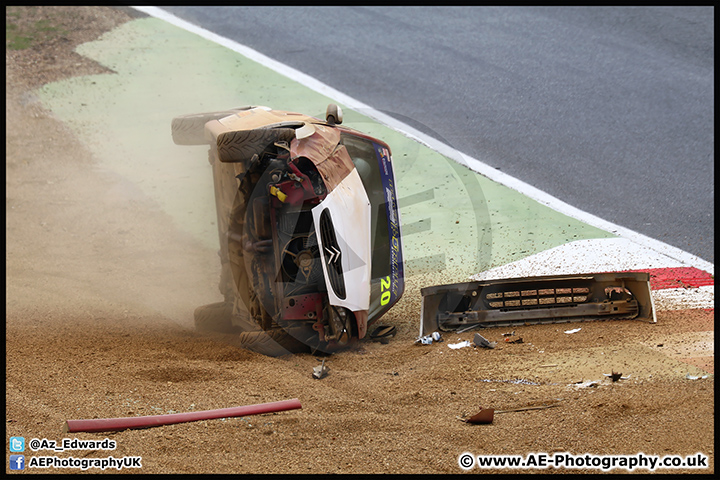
(309, 228)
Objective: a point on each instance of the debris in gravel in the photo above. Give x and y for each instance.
(484, 416)
(429, 339)
(320, 371)
(615, 376)
(483, 342)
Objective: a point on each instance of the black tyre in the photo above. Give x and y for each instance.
(214, 317)
(241, 145)
(190, 129)
(274, 342)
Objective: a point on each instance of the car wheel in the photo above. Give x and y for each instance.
(214, 317)
(241, 145)
(274, 342)
(190, 129)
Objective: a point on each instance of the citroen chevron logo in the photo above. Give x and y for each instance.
(333, 253)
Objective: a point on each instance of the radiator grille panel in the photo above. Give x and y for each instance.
(332, 254)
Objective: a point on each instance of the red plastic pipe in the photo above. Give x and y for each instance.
(108, 424)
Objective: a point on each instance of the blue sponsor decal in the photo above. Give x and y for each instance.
(396, 280)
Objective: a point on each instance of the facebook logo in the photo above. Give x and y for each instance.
(17, 444)
(17, 462)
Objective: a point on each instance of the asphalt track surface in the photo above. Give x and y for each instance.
(607, 109)
(456, 222)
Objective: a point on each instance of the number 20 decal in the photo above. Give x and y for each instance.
(385, 289)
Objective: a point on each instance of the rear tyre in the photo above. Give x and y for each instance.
(274, 342)
(214, 317)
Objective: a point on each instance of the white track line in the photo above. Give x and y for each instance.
(584, 256)
(606, 255)
(684, 258)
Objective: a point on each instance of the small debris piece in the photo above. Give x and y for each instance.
(516, 381)
(616, 376)
(484, 416)
(509, 334)
(517, 340)
(587, 384)
(467, 329)
(693, 377)
(574, 330)
(481, 341)
(426, 340)
(462, 344)
(524, 409)
(320, 371)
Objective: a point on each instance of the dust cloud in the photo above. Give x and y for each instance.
(83, 240)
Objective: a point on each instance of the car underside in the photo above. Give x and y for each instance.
(310, 240)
